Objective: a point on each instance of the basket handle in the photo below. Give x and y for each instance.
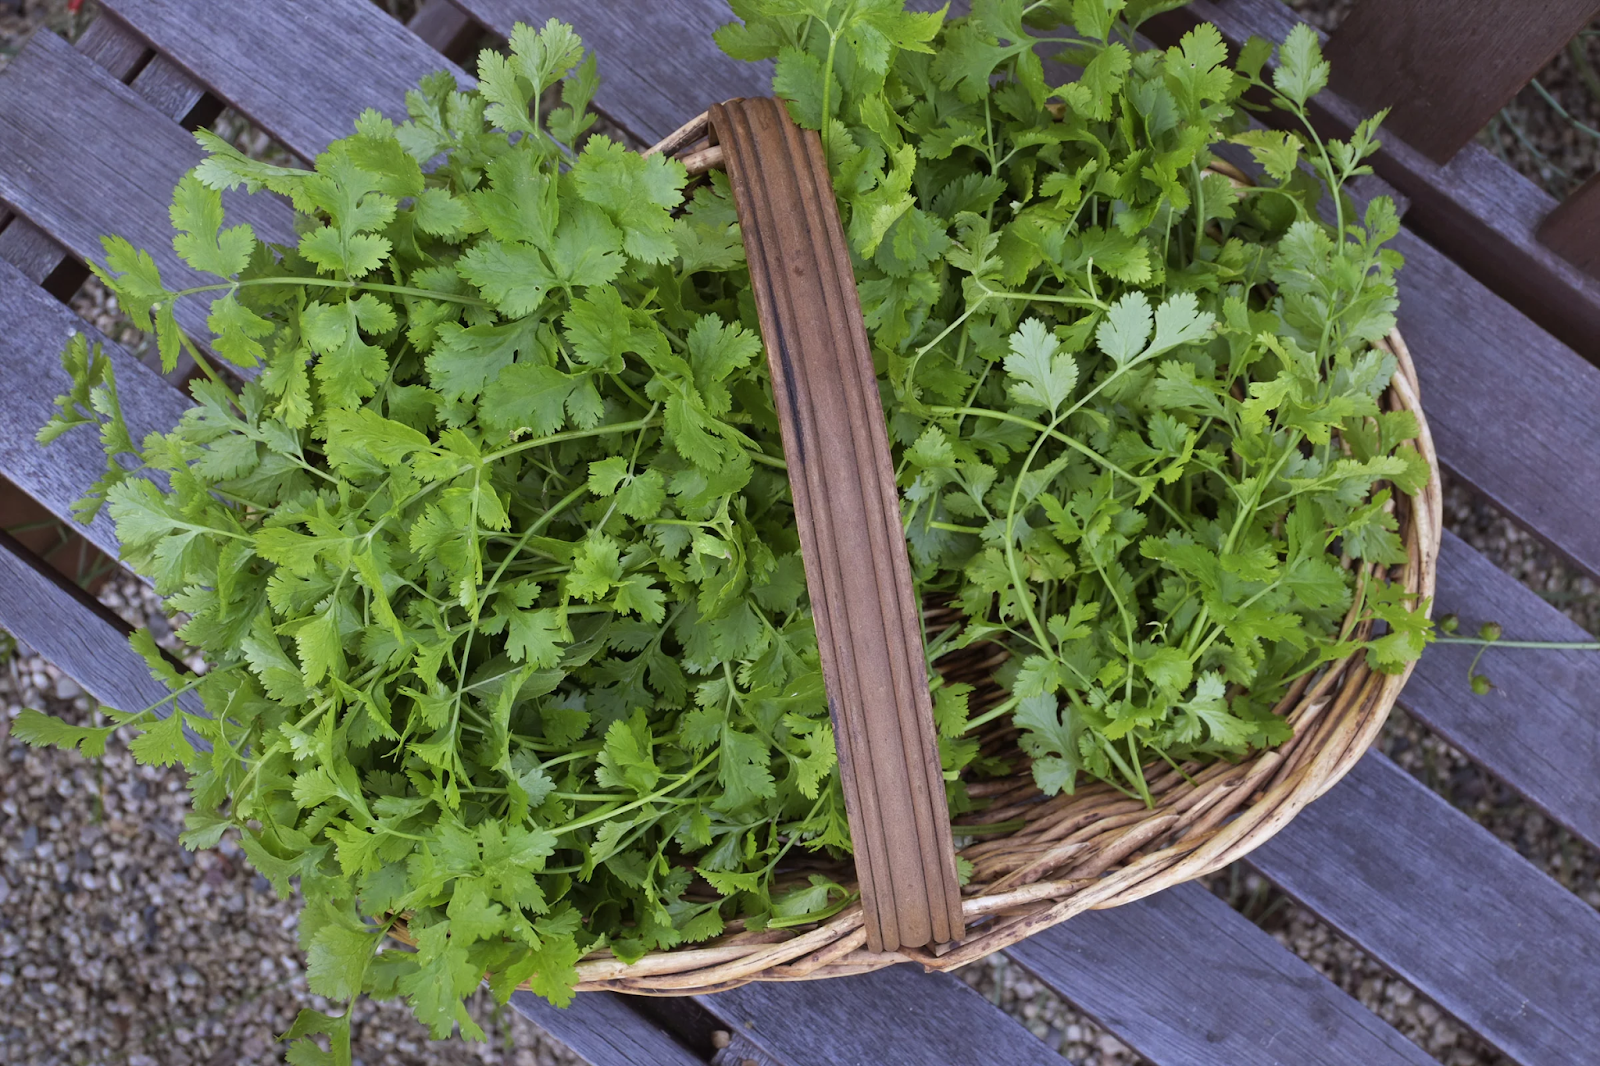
(847, 513)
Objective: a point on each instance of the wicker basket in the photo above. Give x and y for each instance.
(1096, 848)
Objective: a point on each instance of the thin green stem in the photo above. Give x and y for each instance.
(1554, 645)
(334, 283)
(1076, 445)
(572, 434)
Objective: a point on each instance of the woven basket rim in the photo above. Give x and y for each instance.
(1097, 849)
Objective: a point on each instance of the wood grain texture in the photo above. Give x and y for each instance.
(1475, 209)
(29, 249)
(603, 1029)
(658, 64)
(847, 512)
(303, 70)
(1514, 412)
(1572, 230)
(899, 1016)
(123, 157)
(446, 28)
(113, 46)
(1446, 66)
(36, 330)
(1537, 730)
(1450, 909)
(1182, 978)
(168, 87)
(75, 632)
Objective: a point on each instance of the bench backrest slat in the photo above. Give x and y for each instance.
(82, 636)
(605, 1029)
(893, 1017)
(1572, 230)
(1514, 412)
(1446, 66)
(105, 165)
(302, 69)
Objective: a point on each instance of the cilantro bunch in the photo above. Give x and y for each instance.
(491, 556)
(492, 559)
(1135, 406)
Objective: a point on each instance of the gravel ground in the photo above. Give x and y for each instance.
(119, 946)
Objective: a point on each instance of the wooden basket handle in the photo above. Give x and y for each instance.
(847, 512)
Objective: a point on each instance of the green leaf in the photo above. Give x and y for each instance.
(444, 976)
(1126, 328)
(1044, 376)
(519, 205)
(362, 436)
(1277, 151)
(1210, 705)
(627, 761)
(1180, 321)
(636, 192)
(1302, 72)
(535, 637)
(337, 958)
(513, 277)
(202, 242)
(41, 730)
(348, 368)
(163, 743)
(527, 397)
(799, 79)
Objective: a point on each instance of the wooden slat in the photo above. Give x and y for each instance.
(604, 1029)
(121, 54)
(1514, 412)
(1185, 980)
(658, 64)
(302, 69)
(899, 1016)
(109, 44)
(72, 630)
(29, 249)
(1457, 914)
(1537, 731)
(168, 88)
(1476, 209)
(1572, 230)
(448, 30)
(1446, 66)
(847, 513)
(36, 330)
(107, 164)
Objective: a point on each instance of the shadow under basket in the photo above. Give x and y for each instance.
(1060, 855)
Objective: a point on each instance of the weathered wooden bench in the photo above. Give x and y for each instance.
(1497, 308)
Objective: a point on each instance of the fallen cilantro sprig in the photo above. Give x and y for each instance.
(493, 560)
